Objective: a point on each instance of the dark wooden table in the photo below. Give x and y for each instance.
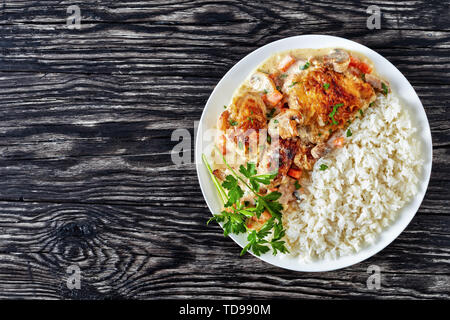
(86, 177)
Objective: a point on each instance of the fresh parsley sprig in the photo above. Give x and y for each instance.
(235, 213)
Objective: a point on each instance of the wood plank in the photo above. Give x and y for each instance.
(66, 138)
(344, 14)
(86, 176)
(131, 49)
(154, 252)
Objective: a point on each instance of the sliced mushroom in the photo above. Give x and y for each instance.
(261, 82)
(285, 124)
(339, 59)
(297, 195)
(377, 83)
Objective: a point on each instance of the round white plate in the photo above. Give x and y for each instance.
(222, 95)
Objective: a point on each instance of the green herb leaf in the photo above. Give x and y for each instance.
(385, 88)
(332, 113)
(284, 75)
(249, 171)
(323, 167)
(234, 190)
(232, 122)
(305, 66)
(349, 133)
(361, 112)
(326, 86)
(297, 185)
(236, 213)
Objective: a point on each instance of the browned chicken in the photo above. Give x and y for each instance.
(241, 123)
(327, 100)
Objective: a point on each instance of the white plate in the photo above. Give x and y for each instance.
(222, 95)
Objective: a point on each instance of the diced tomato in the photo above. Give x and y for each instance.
(286, 63)
(339, 142)
(363, 67)
(273, 97)
(295, 173)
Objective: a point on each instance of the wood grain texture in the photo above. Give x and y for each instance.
(86, 176)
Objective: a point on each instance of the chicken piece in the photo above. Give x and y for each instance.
(324, 109)
(296, 67)
(303, 158)
(261, 82)
(286, 189)
(219, 174)
(279, 156)
(285, 124)
(377, 83)
(320, 150)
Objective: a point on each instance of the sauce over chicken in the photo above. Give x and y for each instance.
(297, 112)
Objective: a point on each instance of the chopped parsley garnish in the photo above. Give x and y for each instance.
(265, 91)
(371, 104)
(278, 88)
(361, 112)
(305, 66)
(349, 133)
(326, 86)
(232, 122)
(323, 167)
(284, 75)
(331, 115)
(297, 185)
(385, 88)
(319, 134)
(235, 213)
(363, 76)
(225, 107)
(269, 139)
(275, 121)
(293, 84)
(250, 119)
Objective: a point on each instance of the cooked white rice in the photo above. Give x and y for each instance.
(346, 206)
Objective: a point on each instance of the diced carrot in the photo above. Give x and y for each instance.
(339, 142)
(295, 173)
(363, 67)
(273, 97)
(286, 63)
